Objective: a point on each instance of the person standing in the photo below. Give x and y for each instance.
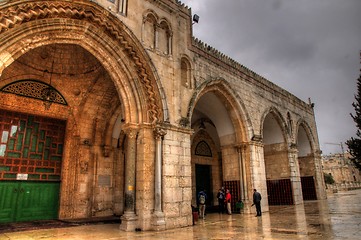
(228, 202)
(220, 197)
(202, 198)
(257, 201)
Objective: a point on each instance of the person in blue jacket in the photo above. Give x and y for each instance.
(202, 198)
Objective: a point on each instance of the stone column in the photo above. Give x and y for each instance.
(170, 46)
(156, 36)
(319, 178)
(158, 215)
(295, 175)
(122, 6)
(129, 218)
(258, 170)
(242, 172)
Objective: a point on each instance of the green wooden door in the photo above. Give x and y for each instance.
(31, 152)
(9, 195)
(27, 201)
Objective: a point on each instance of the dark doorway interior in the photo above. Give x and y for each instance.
(308, 188)
(279, 192)
(203, 181)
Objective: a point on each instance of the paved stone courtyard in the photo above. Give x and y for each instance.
(338, 217)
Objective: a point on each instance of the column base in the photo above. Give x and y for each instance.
(247, 206)
(158, 221)
(129, 222)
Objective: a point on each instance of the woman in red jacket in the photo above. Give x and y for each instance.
(228, 202)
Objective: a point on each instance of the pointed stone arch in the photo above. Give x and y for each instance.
(239, 115)
(302, 124)
(186, 69)
(280, 184)
(307, 161)
(31, 24)
(278, 118)
(164, 37)
(149, 29)
(230, 129)
(86, 24)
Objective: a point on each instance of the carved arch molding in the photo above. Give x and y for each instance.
(17, 12)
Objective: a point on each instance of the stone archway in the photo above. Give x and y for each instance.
(84, 23)
(221, 127)
(133, 89)
(307, 162)
(280, 190)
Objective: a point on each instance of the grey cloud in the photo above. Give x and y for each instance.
(309, 47)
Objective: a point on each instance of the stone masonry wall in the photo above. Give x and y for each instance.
(276, 162)
(177, 182)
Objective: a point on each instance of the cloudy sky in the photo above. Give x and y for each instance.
(311, 48)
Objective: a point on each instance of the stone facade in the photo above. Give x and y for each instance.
(341, 169)
(147, 106)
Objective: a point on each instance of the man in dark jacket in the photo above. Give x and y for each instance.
(257, 201)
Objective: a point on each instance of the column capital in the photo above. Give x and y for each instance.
(257, 143)
(318, 153)
(256, 138)
(241, 146)
(159, 132)
(293, 148)
(131, 131)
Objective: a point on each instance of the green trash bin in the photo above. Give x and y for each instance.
(239, 206)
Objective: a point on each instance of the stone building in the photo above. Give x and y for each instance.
(113, 108)
(342, 170)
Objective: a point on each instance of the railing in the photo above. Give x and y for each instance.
(333, 188)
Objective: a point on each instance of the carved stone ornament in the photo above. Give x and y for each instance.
(203, 149)
(132, 133)
(106, 150)
(84, 167)
(159, 132)
(33, 89)
(184, 122)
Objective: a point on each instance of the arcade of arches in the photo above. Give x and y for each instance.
(105, 112)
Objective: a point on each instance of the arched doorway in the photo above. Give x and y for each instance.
(86, 106)
(306, 164)
(109, 86)
(279, 187)
(206, 161)
(216, 156)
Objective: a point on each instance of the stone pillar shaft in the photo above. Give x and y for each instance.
(158, 218)
(130, 172)
(158, 134)
(158, 175)
(295, 175)
(320, 183)
(129, 218)
(258, 174)
(243, 178)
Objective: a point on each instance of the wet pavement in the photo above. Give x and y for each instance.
(338, 217)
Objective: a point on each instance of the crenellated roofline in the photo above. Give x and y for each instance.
(243, 72)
